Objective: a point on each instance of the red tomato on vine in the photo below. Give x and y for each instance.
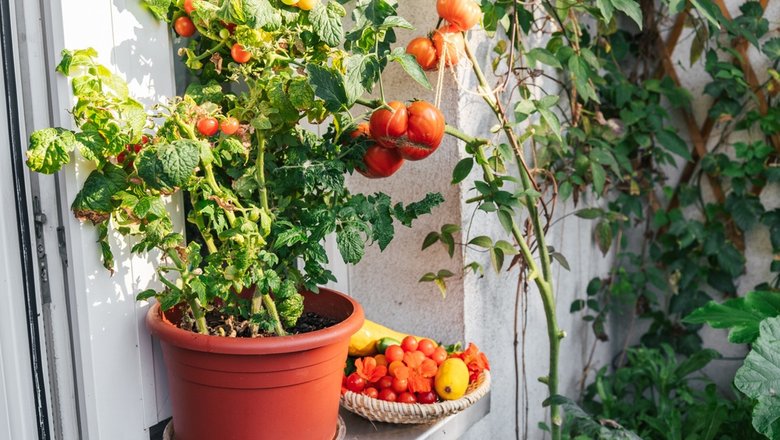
(387, 126)
(422, 49)
(208, 126)
(239, 54)
(425, 132)
(188, 7)
(463, 14)
(229, 126)
(184, 27)
(449, 44)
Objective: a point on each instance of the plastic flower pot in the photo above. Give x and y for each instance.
(263, 388)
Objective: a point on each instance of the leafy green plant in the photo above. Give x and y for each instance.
(657, 396)
(262, 196)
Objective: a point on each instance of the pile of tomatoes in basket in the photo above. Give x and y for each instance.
(415, 371)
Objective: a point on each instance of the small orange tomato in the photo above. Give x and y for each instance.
(439, 355)
(392, 369)
(307, 5)
(394, 353)
(239, 54)
(426, 346)
(409, 343)
(381, 360)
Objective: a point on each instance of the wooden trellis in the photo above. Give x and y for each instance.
(700, 134)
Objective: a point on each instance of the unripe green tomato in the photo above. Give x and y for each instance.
(290, 2)
(224, 33)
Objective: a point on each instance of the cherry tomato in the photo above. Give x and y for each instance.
(400, 385)
(426, 346)
(394, 366)
(427, 397)
(409, 343)
(417, 356)
(423, 50)
(355, 383)
(387, 394)
(208, 126)
(439, 355)
(229, 126)
(307, 5)
(387, 126)
(406, 398)
(449, 44)
(381, 162)
(188, 8)
(463, 14)
(371, 392)
(239, 54)
(381, 360)
(385, 382)
(425, 132)
(184, 27)
(120, 158)
(362, 130)
(394, 353)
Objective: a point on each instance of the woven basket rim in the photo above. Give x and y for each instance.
(393, 412)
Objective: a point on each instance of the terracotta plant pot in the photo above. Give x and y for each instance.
(264, 388)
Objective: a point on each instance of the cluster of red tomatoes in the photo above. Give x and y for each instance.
(127, 157)
(209, 126)
(416, 371)
(446, 44)
(403, 373)
(399, 132)
(185, 27)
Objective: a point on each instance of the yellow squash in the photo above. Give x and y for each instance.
(363, 343)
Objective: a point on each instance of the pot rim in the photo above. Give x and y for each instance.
(173, 335)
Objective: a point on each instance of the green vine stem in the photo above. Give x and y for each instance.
(197, 309)
(543, 281)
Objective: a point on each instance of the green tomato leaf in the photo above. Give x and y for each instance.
(326, 21)
(209, 92)
(362, 72)
(77, 58)
(50, 149)
(259, 13)
(606, 9)
(766, 416)
(741, 315)
(462, 170)
(410, 65)
(543, 55)
(158, 8)
(350, 244)
(95, 200)
(166, 167)
(328, 85)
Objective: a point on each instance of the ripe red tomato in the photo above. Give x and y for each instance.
(394, 353)
(406, 398)
(426, 346)
(439, 355)
(184, 27)
(381, 162)
(423, 50)
(463, 14)
(229, 126)
(409, 343)
(355, 383)
(427, 397)
(121, 157)
(371, 392)
(425, 132)
(208, 126)
(387, 394)
(188, 8)
(385, 382)
(387, 126)
(362, 130)
(449, 44)
(400, 385)
(239, 54)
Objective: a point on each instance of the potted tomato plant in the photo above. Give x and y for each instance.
(252, 345)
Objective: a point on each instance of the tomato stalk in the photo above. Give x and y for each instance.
(211, 51)
(197, 308)
(543, 281)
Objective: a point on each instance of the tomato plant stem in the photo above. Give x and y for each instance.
(270, 306)
(260, 172)
(543, 281)
(211, 51)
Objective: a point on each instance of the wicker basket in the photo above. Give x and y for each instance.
(392, 412)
